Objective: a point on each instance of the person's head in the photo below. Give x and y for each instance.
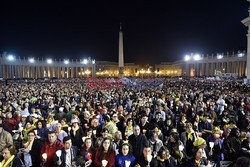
(31, 135)
(163, 153)
(88, 143)
(242, 162)
(174, 137)
(106, 119)
(52, 137)
(23, 118)
(130, 122)
(8, 151)
(58, 127)
(115, 117)
(126, 149)
(217, 134)
(158, 115)
(200, 142)
(95, 122)
(154, 136)
(105, 132)
(28, 125)
(235, 132)
(40, 124)
(189, 127)
(106, 144)
(25, 143)
(147, 150)
(144, 119)
(197, 152)
(136, 130)
(118, 135)
(67, 142)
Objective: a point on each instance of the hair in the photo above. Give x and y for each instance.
(175, 135)
(194, 150)
(80, 161)
(11, 148)
(32, 131)
(51, 132)
(101, 149)
(189, 125)
(106, 118)
(43, 123)
(162, 150)
(104, 130)
(233, 132)
(147, 145)
(129, 147)
(242, 162)
(66, 138)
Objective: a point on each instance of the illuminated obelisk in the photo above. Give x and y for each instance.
(121, 59)
(246, 22)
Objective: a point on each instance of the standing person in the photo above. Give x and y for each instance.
(65, 155)
(88, 151)
(49, 149)
(105, 155)
(138, 141)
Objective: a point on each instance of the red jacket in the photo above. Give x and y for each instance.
(50, 150)
(110, 159)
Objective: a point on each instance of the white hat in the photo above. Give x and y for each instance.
(74, 121)
(86, 112)
(34, 115)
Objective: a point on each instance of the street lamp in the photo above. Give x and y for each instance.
(66, 61)
(31, 60)
(187, 58)
(197, 57)
(241, 54)
(85, 61)
(49, 61)
(11, 58)
(219, 56)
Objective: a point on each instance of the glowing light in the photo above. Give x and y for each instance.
(187, 58)
(49, 61)
(31, 60)
(219, 56)
(85, 61)
(66, 61)
(197, 57)
(241, 54)
(93, 61)
(11, 58)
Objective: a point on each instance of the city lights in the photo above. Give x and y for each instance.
(219, 56)
(197, 57)
(187, 58)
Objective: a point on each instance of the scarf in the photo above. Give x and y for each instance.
(198, 162)
(160, 159)
(5, 163)
(190, 135)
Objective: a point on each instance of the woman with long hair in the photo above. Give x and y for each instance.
(88, 151)
(105, 155)
(125, 156)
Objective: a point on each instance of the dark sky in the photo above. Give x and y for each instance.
(154, 31)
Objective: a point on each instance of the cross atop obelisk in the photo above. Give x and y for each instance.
(121, 58)
(246, 22)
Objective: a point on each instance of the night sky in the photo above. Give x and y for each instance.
(154, 31)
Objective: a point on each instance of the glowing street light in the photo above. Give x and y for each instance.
(219, 56)
(93, 61)
(49, 61)
(197, 57)
(31, 60)
(187, 58)
(66, 61)
(85, 61)
(11, 58)
(241, 54)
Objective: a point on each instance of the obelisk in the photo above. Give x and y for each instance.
(246, 22)
(121, 59)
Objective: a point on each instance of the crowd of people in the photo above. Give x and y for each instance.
(188, 122)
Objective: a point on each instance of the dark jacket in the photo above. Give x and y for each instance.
(138, 144)
(63, 157)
